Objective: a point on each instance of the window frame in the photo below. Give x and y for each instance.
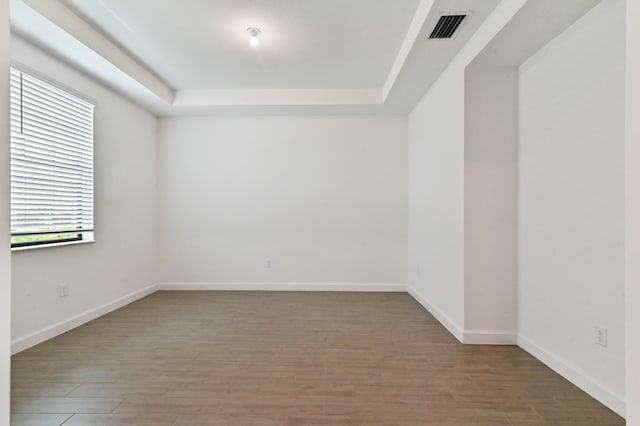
(80, 236)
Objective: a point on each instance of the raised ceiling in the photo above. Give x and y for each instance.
(203, 44)
(193, 56)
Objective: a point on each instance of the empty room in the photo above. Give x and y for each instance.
(320, 212)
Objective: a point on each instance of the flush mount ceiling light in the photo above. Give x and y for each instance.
(253, 36)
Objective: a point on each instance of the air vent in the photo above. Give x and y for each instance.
(446, 26)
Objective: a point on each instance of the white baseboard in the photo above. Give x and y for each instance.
(489, 337)
(449, 324)
(575, 375)
(32, 339)
(279, 286)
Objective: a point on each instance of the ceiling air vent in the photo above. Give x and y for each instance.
(446, 26)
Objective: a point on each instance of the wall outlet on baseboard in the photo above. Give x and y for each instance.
(601, 336)
(267, 264)
(63, 290)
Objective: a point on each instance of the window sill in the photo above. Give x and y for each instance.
(88, 239)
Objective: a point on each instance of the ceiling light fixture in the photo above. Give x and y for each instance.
(253, 39)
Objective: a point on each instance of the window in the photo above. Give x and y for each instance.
(51, 163)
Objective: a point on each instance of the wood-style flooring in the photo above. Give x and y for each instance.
(285, 358)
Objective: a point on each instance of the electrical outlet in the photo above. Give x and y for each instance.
(601, 336)
(268, 264)
(63, 290)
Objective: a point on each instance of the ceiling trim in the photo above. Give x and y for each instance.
(278, 97)
(78, 28)
(63, 17)
(422, 12)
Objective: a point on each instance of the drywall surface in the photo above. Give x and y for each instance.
(436, 200)
(283, 200)
(490, 204)
(121, 262)
(436, 183)
(571, 203)
(632, 232)
(5, 255)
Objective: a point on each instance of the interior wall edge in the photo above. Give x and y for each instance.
(575, 375)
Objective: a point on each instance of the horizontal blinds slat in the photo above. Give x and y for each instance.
(44, 221)
(39, 108)
(39, 229)
(51, 186)
(53, 176)
(20, 206)
(56, 102)
(33, 195)
(53, 214)
(47, 144)
(65, 174)
(33, 90)
(59, 219)
(22, 189)
(51, 158)
(54, 90)
(43, 120)
(43, 90)
(52, 217)
(65, 223)
(50, 230)
(49, 162)
(63, 171)
(55, 159)
(55, 205)
(44, 149)
(22, 203)
(35, 218)
(38, 129)
(43, 178)
(49, 208)
(37, 112)
(55, 227)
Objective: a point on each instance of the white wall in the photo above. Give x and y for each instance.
(5, 258)
(490, 204)
(323, 198)
(122, 260)
(632, 232)
(436, 183)
(436, 200)
(571, 202)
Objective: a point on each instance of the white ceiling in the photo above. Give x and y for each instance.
(193, 56)
(316, 56)
(203, 44)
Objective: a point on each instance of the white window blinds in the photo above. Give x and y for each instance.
(51, 158)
